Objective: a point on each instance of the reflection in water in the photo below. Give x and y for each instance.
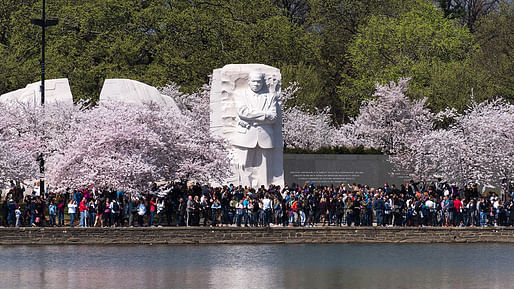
(258, 266)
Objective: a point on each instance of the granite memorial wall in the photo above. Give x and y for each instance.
(327, 169)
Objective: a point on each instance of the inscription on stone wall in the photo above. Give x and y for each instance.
(373, 170)
(326, 177)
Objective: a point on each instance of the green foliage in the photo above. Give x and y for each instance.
(334, 23)
(310, 84)
(418, 43)
(334, 50)
(152, 41)
(495, 60)
(469, 12)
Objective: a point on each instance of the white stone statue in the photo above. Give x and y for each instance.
(245, 110)
(56, 90)
(133, 91)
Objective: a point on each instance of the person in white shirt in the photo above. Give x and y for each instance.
(431, 208)
(18, 217)
(160, 209)
(266, 206)
(239, 213)
(72, 210)
(141, 211)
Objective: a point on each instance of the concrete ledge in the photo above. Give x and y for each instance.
(234, 235)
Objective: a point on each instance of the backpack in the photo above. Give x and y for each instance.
(51, 210)
(116, 207)
(141, 210)
(294, 206)
(387, 207)
(451, 205)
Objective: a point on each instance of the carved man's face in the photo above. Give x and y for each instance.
(256, 82)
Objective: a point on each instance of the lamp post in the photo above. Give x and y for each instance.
(43, 22)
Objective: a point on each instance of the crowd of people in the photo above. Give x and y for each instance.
(178, 204)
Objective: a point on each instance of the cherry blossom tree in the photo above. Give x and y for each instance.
(112, 148)
(488, 131)
(15, 164)
(18, 151)
(126, 146)
(194, 106)
(113, 145)
(29, 131)
(433, 155)
(309, 129)
(207, 156)
(477, 147)
(390, 120)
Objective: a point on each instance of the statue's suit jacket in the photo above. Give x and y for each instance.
(259, 120)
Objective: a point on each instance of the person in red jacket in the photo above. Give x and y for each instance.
(153, 209)
(83, 212)
(457, 205)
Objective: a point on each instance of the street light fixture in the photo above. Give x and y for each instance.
(43, 22)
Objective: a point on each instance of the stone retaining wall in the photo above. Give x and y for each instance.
(231, 235)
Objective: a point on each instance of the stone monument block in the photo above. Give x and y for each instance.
(135, 92)
(56, 91)
(245, 110)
